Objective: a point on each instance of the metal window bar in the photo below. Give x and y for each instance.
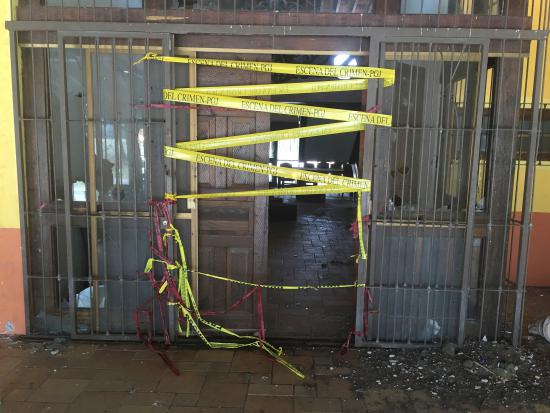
(437, 297)
(54, 272)
(507, 14)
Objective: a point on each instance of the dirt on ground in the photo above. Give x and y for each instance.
(478, 376)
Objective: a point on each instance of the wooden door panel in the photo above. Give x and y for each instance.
(212, 295)
(224, 217)
(240, 263)
(232, 231)
(206, 128)
(224, 240)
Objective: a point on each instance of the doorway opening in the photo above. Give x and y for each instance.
(310, 242)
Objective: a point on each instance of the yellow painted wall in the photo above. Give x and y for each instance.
(529, 69)
(9, 209)
(12, 301)
(541, 196)
(541, 201)
(538, 272)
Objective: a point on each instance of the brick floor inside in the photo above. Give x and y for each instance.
(315, 248)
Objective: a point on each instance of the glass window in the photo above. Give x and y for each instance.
(130, 4)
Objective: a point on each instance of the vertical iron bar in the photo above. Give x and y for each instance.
(19, 158)
(447, 132)
(118, 169)
(170, 176)
(39, 192)
(66, 177)
(91, 199)
(494, 158)
(149, 169)
(49, 119)
(134, 163)
(87, 129)
(101, 147)
(414, 129)
(399, 226)
(376, 177)
(407, 227)
(512, 191)
(472, 191)
(528, 196)
(423, 188)
(384, 286)
(446, 136)
(105, 118)
(367, 173)
(431, 125)
(461, 129)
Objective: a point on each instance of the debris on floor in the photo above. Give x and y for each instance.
(113, 376)
(485, 374)
(54, 347)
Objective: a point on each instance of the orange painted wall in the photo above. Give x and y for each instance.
(12, 303)
(538, 268)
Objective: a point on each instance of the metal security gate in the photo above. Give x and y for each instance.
(445, 262)
(93, 146)
(448, 243)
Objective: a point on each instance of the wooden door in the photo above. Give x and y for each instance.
(232, 231)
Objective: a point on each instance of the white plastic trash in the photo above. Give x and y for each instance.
(84, 297)
(541, 328)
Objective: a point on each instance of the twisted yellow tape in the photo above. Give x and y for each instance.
(190, 311)
(280, 287)
(271, 136)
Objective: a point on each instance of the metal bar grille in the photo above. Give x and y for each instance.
(448, 243)
(445, 261)
(91, 160)
(502, 14)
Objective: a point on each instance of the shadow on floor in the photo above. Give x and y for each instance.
(314, 248)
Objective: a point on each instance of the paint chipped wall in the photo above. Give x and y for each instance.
(12, 303)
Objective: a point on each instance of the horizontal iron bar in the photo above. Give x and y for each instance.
(407, 33)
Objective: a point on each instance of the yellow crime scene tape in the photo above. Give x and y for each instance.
(231, 97)
(260, 168)
(271, 136)
(302, 190)
(282, 88)
(190, 311)
(356, 72)
(280, 287)
(291, 109)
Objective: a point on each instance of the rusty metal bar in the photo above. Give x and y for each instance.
(472, 191)
(528, 196)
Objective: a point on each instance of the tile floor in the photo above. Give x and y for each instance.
(315, 249)
(114, 377)
(125, 377)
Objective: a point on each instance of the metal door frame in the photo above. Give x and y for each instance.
(367, 268)
(377, 36)
(169, 179)
(192, 216)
